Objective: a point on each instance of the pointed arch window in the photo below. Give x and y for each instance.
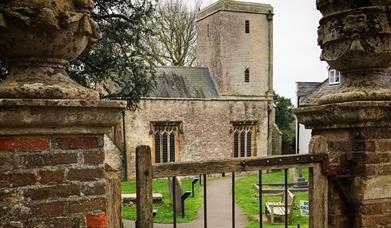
(236, 144)
(172, 146)
(249, 143)
(166, 141)
(244, 139)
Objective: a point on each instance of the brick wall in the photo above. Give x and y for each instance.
(51, 181)
(364, 153)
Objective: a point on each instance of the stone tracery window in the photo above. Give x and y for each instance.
(244, 139)
(166, 141)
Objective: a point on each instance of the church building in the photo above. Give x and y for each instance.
(221, 109)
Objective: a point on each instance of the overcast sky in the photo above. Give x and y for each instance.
(296, 54)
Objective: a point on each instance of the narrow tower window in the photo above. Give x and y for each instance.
(247, 26)
(207, 28)
(247, 75)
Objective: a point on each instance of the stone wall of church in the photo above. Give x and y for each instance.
(206, 126)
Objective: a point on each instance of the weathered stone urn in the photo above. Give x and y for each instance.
(53, 171)
(355, 36)
(39, 38)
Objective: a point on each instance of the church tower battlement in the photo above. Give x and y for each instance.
(235, 41)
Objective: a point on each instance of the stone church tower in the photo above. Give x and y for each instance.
(235, 41)
(221, 109)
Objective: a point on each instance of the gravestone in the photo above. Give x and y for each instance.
(178, 194)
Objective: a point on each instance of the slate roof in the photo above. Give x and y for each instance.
(306, 88)
(184, 82)
(323, 89)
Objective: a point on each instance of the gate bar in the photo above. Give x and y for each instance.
(260, 198)
(205, 205)
(174, 200)
(286, 198)
(240, 165)
(233, 200)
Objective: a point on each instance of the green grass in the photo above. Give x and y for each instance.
(164, 214)
(247, 198)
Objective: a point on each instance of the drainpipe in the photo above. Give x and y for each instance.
(269, 93)
(269, 18)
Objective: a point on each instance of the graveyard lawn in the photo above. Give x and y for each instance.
(164, 209)
(247, 198)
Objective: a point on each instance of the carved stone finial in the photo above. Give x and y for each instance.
(39, 38)
(355, 37)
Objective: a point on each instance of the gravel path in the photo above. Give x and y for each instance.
(219, 209)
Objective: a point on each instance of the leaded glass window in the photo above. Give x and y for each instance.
(166, 141)
(244, 139)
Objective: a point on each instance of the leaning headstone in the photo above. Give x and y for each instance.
(178, 194)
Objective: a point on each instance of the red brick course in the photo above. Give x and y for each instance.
(53, 209)
(8, 161)
(68, 222)
(72, 143)
(94, 157)
(53, 192)
(51, 176)
(376, 220)
(67, 207)
(89, 205)
(25, 144)
(98, 188)
(17, 180)
(48, 159)
(85, 174)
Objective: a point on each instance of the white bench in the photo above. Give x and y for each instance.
(131, 198)
(276, 210)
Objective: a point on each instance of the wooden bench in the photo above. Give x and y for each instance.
(276, 210)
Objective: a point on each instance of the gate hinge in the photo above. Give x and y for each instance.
(335, 176)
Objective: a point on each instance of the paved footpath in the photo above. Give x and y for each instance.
(219, 209)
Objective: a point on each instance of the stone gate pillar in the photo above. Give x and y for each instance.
(52, 170)
(353, 123)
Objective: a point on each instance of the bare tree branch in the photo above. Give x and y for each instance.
(175, 34)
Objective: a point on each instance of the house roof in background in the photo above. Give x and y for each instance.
(323, 89)
(184, 82)
(306, 88)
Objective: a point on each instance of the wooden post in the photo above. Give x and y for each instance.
(318, 191)
(318, 198)
(144, 187)
(114, 201)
